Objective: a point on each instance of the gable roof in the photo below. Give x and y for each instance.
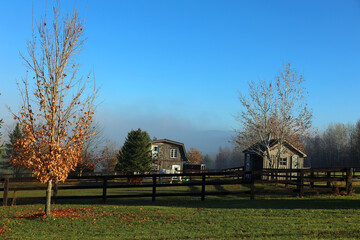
(273, 144)
(179, 144)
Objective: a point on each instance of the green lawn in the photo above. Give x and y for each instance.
(280, 216)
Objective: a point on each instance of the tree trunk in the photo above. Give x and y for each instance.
(48, 198)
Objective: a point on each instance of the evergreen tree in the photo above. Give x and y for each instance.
(1, 144)
(208, 161)
(135, 155)
(9, 151)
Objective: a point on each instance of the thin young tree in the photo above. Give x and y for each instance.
(274, 112)
(57, 106)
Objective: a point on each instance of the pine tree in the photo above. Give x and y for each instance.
(208, 161)
(9, 151)
(135, 155)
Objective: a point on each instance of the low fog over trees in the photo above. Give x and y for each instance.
(337, 146)
(228, 158)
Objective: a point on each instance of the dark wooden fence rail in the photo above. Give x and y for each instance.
(204, 179)
(303, 179)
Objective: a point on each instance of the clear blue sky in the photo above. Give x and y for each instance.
(173, 68)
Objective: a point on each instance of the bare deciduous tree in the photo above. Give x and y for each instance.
(108, 156)
(337, 146)
(223, 158)
(90, 151)
(274, 112)
(356, 138)
(57, 110)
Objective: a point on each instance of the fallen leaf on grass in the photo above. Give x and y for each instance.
(66, 212)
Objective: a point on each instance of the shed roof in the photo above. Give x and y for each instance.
(273, 144)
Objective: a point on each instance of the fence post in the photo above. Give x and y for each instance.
(154, 189)
(104, 190)
(301, 183)
(55, 192)
(328, 184)
(312, 176)
(252, 186)
(349, 187)
(203, 187)
(6, 191)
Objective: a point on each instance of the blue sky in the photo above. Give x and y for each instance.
(173, 68)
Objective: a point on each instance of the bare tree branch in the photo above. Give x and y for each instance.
(274, 112)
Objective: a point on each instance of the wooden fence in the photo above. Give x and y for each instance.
(297, 181)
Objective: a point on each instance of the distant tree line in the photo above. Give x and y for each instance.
(337, 146)
(228, 158)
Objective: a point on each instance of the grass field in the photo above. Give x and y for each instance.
(222, 217)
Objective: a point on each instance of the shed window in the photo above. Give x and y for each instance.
(173, 153)
(283, 162)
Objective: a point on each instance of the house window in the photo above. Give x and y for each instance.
(295, 162)
(173, 153)
(155, 151)
(283, 162)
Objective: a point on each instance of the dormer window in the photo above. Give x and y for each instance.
(173, 153)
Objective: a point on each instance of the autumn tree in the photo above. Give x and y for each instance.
(57, 106)
(274, 111)
(194, 156)
(135, 155)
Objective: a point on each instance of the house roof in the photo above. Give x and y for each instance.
(181, 146)
(273, 144)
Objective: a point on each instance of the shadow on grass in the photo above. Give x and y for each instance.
(329, 202)
(220, 188)
(194, 189)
